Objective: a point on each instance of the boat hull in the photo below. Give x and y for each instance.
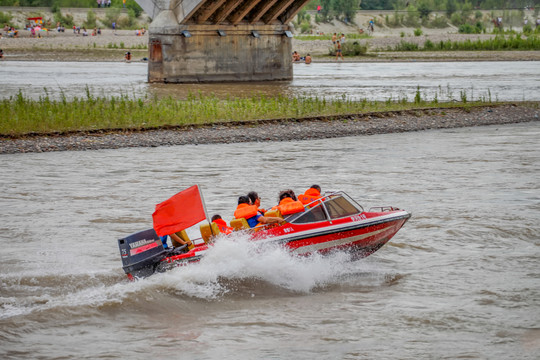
(361, 235)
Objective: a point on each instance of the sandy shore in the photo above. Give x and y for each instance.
(281, 130)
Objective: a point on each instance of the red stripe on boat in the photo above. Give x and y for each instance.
(143, 248)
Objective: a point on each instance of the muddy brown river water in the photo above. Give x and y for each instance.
(460, 280)
(495, 80)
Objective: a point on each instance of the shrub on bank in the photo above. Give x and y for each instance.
(472, 29)
(5, 18)
(350, 49)
(66, 20)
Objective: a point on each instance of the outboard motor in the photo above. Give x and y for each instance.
(141, 253)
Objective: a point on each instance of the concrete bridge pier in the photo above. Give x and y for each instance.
(220, 40)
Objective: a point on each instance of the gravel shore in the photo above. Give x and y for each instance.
(282, 129)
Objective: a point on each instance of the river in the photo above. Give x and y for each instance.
(447, 81)
(460, 280)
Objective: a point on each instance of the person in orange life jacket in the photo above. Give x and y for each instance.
(222, 225)
(256, 200)
(248, 211)
(284, 197)
(311, 194)
(287, 202)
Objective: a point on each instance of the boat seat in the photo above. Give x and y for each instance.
(182, 235)
(208, 231)
(239, 224)
(274, 213)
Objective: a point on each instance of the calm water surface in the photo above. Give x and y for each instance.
(460, 280)
(513, 81)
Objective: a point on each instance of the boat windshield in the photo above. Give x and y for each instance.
(333, 206)
(339, 207)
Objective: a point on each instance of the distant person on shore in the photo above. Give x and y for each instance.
(1, 51)
(308, 59)
(338, 50)
(334, 39)
(127, 57)
(123, 3)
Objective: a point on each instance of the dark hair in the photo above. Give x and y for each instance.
(243, 200)
(215, 217)
(287, 193)
(252, 195)
(316, 187)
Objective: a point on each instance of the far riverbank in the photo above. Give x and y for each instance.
(111, 46)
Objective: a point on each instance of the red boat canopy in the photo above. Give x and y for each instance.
(181, 211)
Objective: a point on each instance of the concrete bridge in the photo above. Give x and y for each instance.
(220, 40)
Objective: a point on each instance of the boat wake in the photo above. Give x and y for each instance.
(238, 267)
(233, 267)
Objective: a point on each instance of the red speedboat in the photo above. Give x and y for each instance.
(333, 223)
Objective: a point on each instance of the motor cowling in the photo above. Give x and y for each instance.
(141, 252)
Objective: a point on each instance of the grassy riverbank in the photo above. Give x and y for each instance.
(46, 116)
(518, 42)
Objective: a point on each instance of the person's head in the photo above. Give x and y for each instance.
(244, 200)
(254, 197)
(316, 187)
(216, 217)
(308, 55)
(287, 194)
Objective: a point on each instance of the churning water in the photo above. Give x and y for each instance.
(460, 280)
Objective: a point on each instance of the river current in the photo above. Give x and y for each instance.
(446, 81)
(461, 279)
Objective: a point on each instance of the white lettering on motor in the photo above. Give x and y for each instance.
(136, 244)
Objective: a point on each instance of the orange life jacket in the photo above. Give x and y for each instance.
(309, 196)
(245, 211)
(222, 225)
(289, 206)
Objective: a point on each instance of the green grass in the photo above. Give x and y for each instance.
(511, 42)
(22, 115)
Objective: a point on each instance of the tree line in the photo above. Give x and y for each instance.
(350, 7)
(130, 4)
